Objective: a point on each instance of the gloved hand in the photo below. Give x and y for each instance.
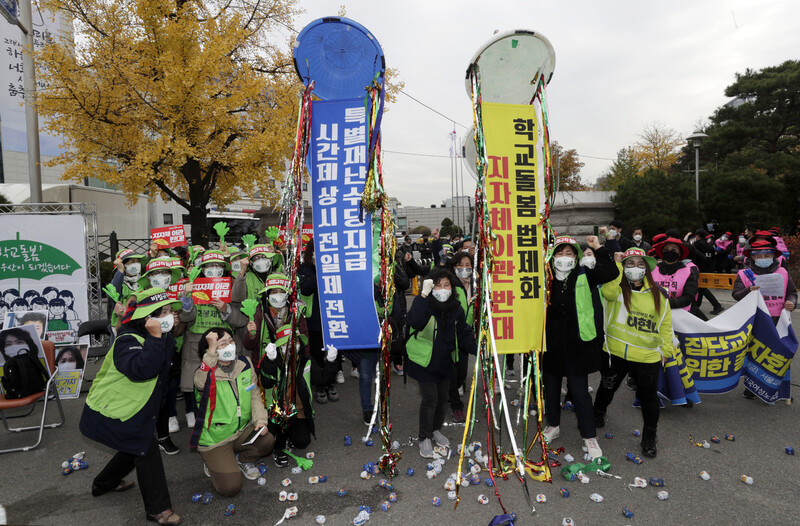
(332, 352)
(272, 351)
(427, 287)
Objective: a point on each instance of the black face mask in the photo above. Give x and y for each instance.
(670, 256)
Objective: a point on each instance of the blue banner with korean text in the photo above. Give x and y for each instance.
(342, 234)
(741, 343)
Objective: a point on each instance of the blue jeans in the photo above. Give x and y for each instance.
(366, 378)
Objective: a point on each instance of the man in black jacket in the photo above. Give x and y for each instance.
(702, 254)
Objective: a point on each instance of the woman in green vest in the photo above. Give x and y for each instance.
(574, 334)
(230, 410)
(266, 339)
(128, 267)
(438, 330)
(638, 340)
(461, 266)
(200, 318)
(125, 398)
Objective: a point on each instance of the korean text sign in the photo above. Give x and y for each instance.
(514, 196)
(343, 236)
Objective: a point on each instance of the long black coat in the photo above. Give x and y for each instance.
(564, 344)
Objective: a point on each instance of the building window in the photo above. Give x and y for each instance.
(167, 219)
(187, 219)
(305, 187)
(305, 202)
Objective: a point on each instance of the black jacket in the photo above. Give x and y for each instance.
(450, 323)
(138, 363)
(565, 349)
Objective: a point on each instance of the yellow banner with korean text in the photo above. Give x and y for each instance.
(514, 196)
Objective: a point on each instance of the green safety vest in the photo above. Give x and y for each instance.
(635, 335)
(113, 394)
(461, 295)
(583, 304)
(126, 293)
(419, 346)
(207, 318)
(254, 284)
(231, 409)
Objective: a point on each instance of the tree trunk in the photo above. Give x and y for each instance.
(198, 201)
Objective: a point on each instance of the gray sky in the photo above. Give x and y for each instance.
(619, 66)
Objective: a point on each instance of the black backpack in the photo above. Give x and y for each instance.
(23, 375)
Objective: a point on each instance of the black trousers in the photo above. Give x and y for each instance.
(705, 293)
(578, 388)
(646, 376)
(458, 377)
(149, 474)
(323, 372)
(298, 432)
(433, 407)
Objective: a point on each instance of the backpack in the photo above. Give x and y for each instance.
(23, 375)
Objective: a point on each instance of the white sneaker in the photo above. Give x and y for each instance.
(440, 439)
(354, 373)
(340, 377)
(551, 433)
(426, 448)
(592, 447)
(250, 471)
(173, 424)
(190, 420)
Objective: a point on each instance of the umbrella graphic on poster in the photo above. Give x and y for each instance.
(23, 258)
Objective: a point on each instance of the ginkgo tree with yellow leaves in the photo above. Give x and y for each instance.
(189, 100)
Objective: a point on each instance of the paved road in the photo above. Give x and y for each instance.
(34, 492)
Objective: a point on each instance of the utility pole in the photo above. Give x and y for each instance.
(25, 23)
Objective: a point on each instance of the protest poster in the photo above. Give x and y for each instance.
(342, 230)
(743, 342)
(43, 268)
(514, 195)
(177, 288)
(15, 340)
(169, 236)
(70, 364)
(206, 290)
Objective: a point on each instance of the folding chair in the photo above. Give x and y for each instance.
(50, 389)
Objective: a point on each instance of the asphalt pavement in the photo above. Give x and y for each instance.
(34, 491)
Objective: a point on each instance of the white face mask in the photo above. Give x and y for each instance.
(13, 350)
(133, 269)
(261, 265)
(442, 294)
(236, 266)
(213, 272)
(588, 261)
(724, 238)
(167, 322)
(67, 366)
(763, 262)
(463, 273)
(197, 261)
(612, 233)
(160, 281)
(227, 353)
(637, 237)
(634, 273)
(278, 300)
(742, 241)
(564, 263)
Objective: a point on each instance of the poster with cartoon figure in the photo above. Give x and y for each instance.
(43, 268)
